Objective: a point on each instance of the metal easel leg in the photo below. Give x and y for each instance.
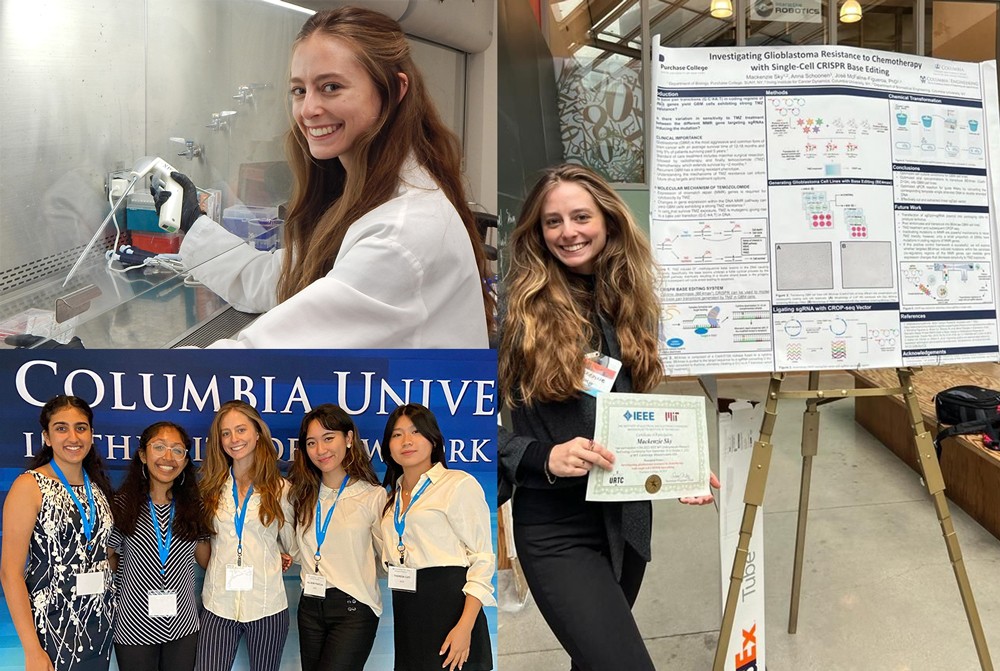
(931, 470)
(810, 444)
(753, 498)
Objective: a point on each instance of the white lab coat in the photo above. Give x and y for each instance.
(405, 277)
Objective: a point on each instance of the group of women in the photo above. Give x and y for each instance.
(83, 567)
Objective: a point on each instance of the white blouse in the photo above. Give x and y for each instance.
(348, 559)
(449, 525)
(262, 546)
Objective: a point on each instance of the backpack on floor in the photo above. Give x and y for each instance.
(969, 409)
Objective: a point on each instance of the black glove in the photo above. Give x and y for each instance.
(190, 205)
(26, 340)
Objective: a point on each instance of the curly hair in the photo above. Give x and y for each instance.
(546, 326)
(326, 199)
(190, 522)
(264, 474)
(93, 465)
(305, 476)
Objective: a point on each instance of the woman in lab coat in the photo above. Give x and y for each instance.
(580, 293)
(378, 227)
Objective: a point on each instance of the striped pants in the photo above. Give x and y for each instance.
(220, 639)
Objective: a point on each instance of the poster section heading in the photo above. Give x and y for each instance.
(789, 181)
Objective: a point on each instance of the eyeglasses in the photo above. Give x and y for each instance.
(159, 449)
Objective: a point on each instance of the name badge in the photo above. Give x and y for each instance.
(599, 373)
(402, 579)
(89, 583)
(315, 585)
(239, 578)
(162, 603)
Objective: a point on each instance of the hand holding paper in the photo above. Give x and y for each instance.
(577, 457)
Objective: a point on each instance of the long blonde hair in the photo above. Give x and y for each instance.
(326, 199)
(546, 327)
(264, 474)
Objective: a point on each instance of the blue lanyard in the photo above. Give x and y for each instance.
(321, 530)
(88, 520)
(400, 521)
(163, 540)
(239, 516)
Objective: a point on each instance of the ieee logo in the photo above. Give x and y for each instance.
(640, 416)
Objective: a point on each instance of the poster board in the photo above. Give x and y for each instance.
(823, 208)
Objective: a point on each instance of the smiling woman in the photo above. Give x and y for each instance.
(160, 531)
(378, 226)
(54, 567)
(246, 500)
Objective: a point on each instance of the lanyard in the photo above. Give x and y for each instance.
(321, 530)
(400, 521)
(88, 520)
(239, 516)
(164, 539)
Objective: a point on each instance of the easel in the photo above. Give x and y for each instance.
(753, 498)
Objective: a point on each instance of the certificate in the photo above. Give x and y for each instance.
(660, 445)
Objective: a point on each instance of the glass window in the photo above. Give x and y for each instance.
(961, 31)
(596, 47)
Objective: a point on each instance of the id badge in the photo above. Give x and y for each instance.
(162, 603)
(402, 579)
(239, 578)
(89, 583)
(599, 373)
(315, 585)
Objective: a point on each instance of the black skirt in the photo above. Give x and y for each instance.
(422, 620)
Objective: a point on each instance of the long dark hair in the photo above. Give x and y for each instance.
(305, 477)
(190, 521)
(93, 465)
(426, 423)
(326, 200)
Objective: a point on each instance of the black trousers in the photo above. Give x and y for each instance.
(176, 655)
(335, 633)
(568, 569)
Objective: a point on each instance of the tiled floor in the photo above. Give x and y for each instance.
(878, 589)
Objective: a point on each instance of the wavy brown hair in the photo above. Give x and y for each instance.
(547, 327)
(190, 522)
(326, 199)
(264, 473)
(305, 477)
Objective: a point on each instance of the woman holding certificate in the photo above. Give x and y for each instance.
(579, 296)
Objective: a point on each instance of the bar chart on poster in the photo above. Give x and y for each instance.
(824, 207)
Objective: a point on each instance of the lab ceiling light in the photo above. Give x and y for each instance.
(850, 11)
(723, 9)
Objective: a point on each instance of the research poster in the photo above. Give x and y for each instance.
(823, 207)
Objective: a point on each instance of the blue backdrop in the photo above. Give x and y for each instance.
(129, 390)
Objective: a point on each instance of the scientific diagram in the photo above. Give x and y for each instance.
(830, 340)
(925, 133)
(826, 136)
(926, 284)
(705, 327)
(714, 241)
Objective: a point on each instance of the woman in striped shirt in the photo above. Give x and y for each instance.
(160, 531)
